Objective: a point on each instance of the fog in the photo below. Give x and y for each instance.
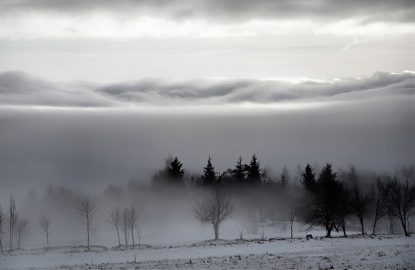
(80, 137)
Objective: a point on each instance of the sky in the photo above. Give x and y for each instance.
(93, 92)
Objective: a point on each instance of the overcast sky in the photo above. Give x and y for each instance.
(99, 91)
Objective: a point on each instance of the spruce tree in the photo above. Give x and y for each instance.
(308, 181)
(324, 206)
(209, 174)
(239, 173)
(254, 171)
(175, 172)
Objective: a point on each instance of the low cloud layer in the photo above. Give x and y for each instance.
(19, 89)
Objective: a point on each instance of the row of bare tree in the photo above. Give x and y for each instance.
(16, 224)
(126, 220)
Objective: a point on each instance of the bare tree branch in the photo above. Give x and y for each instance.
(3, 218)
(88, 212)
(115, 220)
(13, 215)
(125, 224)
(21, 224)
(44, 223)
(214, 209)
(132, 221)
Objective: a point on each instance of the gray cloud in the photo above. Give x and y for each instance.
(20, 89)
(17, 88)
(384, 10)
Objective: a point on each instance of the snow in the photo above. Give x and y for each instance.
(375, 252)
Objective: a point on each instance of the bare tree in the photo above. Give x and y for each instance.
(44, 224)
(2, 227)
(401, 201)
(88, 212)
(132, 221)
(380, 202)
(137, 228)
(360, 205)
(13, 215)
(115, 220)
(21, 225)
(124, 224)
(214, 209)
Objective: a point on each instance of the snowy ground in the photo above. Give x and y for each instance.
(379, 252)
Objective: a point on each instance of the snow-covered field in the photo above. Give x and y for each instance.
(355, 252)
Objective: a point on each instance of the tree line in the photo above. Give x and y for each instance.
(326, 199)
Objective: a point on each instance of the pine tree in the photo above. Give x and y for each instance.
(308, 181)
(254, 171)
(209, 174)
(323, 210)
(175, 172)
(239, 173)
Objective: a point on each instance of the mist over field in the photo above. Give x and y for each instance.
(223, 132)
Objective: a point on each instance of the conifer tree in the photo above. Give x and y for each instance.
(308, 181)
(254, 171)
(209, 174)
(323, 210)
(175, 172)
(239, 173)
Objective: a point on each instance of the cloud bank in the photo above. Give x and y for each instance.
(19, 89)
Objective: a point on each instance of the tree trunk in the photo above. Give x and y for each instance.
(47, 240)
(404, 226)
(88, 240)
(132, 236)
(1, 246)
(374, 226)
(118, 234)
(216, 228)
(344, 227)
(292, 230)
(126, 239)
(361, 224)
(18, 241)
(328, 230)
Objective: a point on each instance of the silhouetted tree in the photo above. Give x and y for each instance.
(88, 212)
(325, 201)
(401, 201)
(44, 223)
(13, 215)
(239, 173)
(344, 209)
(380, 202)
(209, 174)
(254, 171)
(175, 172)
(214, 209)
(308, 178)
(2, 227)
(360, 203)
(21, 225)
(115, 220)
